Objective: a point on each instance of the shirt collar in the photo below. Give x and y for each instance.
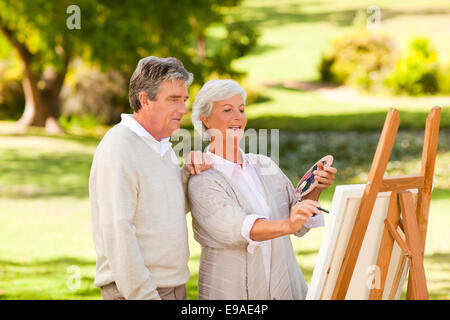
(225, 166)
(160, 147)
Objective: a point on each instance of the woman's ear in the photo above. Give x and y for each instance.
(205, 122)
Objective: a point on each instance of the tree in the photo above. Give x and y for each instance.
(114, 34)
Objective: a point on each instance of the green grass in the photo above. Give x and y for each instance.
(45, 212)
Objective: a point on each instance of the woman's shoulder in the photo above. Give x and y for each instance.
(206, 178)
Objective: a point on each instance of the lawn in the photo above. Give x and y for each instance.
(45, 213)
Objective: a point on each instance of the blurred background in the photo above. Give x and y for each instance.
(324, 72)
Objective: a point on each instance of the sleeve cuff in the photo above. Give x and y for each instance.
(315, 222)
(247, 225)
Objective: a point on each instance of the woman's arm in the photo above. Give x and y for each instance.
(300, 213)
(215, 211)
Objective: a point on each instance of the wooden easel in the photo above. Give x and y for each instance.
(413, 220)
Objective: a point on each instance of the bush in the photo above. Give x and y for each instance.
(12, 99)
(358, 59)
(416, 73)
(444, 79)
(91, 94)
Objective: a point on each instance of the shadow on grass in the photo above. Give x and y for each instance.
(264, 16)
(25, 175)
(441, 258)
(439, 288)
(192, 286)
(48, 279)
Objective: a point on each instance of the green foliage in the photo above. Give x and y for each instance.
(240, 39)
(90, 93)
(444, 79)
(12, 99)
(116, 34)
(417, 72)
(358, 59)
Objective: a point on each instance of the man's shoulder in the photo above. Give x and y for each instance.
(119, 131)
(118, 137)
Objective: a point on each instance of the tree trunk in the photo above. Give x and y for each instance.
(201, 46)
(41, 105)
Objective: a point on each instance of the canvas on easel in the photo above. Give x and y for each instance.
(343, 211)
(375, 235)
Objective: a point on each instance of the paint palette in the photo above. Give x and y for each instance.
(307, 182)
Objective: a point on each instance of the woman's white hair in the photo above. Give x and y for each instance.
(212, 91)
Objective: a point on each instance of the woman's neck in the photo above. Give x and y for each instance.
(228, 151)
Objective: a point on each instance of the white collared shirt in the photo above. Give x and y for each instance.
(160, 147)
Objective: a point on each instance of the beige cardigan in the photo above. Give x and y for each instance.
(227, 270)
(138, 216)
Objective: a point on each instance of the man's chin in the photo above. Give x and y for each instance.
(175, 129)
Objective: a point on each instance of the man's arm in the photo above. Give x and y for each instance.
(116, 194)
(185, 175)
(196, 162)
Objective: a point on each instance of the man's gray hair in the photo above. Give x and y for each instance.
(212, 91)
(150, 73)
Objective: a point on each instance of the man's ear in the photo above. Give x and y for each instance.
(144, 99)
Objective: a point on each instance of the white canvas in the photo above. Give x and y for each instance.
(343, 211)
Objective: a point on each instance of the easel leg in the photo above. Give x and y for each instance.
(387, 243)
(417, 283)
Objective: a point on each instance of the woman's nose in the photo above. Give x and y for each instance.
(237, 114)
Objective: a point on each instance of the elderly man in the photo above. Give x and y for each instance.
(137, 190)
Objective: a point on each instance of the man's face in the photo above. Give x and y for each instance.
(164, 115)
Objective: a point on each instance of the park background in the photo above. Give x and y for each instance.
(324, 72)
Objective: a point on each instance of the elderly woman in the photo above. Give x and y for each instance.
(244, 208)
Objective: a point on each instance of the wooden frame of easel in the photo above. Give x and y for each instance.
(402, 211)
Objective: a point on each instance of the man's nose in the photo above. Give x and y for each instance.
(182, 108)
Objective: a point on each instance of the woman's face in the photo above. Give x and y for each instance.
(227, 119)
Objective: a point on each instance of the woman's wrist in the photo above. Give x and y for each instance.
(287, 227)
